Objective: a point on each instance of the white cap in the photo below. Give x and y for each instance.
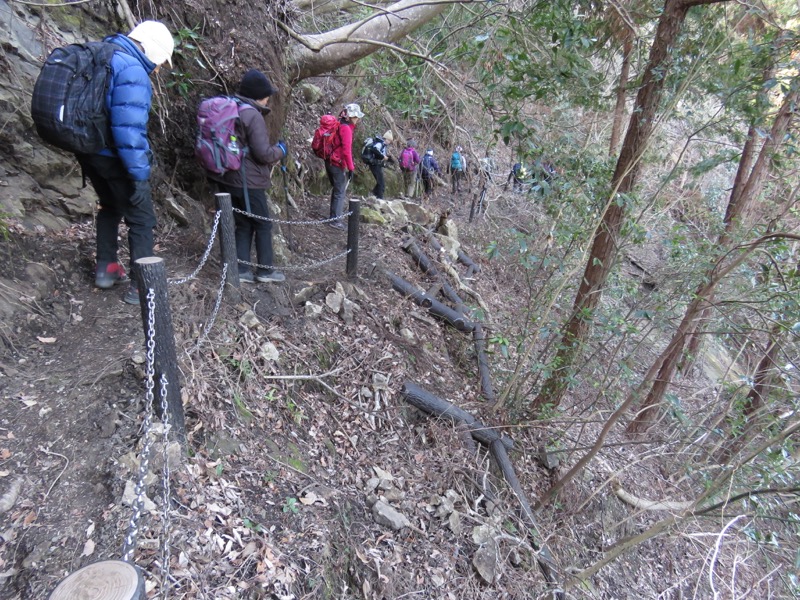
(388, 136)
(353, 110)
(156, 40)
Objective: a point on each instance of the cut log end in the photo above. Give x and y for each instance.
(105, 580)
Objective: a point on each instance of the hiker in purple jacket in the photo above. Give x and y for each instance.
(409, 161)
(255, 91)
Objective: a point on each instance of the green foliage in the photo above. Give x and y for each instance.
(291, 505)
(252, 525)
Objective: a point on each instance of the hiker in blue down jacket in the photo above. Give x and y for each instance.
(121, 174)
(253, 179)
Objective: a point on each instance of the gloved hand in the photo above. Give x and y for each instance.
(282, 145)
(141, 192)
(350, 176)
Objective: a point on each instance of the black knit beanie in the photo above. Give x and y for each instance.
(255, 85)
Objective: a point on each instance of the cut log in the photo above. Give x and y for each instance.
(483, 363)
(433, 405)
(427, 402)
(108, 579)
(545, 559)
(472, 266)
(436, 308)
(418, 254)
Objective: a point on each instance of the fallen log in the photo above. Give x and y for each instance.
(436, 308)
(472, 266)
(427, 402)
(424, 262)
(545, 559)
(487, 389)
(433, 405)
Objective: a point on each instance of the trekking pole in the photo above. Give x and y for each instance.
(289, 239)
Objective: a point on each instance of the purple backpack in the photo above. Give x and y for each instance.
(218, 148)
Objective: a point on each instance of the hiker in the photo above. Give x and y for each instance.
(250, 183)
(518, 175)
(375, 155)
(120, 174)
(458, 169)
(428, 171)
(543, 173)
(409, 161)
(340, 166)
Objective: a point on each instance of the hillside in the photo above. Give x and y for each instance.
(306, 473)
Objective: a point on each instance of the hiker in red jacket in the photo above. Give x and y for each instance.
(340, 166)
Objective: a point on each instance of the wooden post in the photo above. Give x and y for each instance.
(352, 238)
(107, 579)
(153, 275)
(227, 243)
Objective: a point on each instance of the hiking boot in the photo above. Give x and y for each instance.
(108, 274)
(246, 277)
(337, 225)
(132, 295)
(271, 277)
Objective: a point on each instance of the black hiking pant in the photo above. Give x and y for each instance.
(114, 190)
(377, 173)
(250, 229)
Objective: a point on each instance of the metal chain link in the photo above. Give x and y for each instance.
(283, 222)
(206, 254)
(166, 524)
(296, 267)
(139, 490)
(212, 318)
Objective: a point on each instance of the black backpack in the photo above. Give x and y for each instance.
(369, 154)
(69, 99)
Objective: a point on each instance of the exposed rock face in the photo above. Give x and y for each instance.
(40, 186)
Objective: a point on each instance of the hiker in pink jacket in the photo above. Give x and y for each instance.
(340, 166)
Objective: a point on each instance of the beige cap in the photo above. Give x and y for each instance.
(353, 110)
(388, 136)
(156, 41)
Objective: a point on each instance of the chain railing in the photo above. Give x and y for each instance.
(307, 266)
(205, 256)
(213, 317)
(166, 523)
(288, 222)
(144, 460)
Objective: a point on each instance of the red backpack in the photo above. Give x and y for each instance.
(326, 137)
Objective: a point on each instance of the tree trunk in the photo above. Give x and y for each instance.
(315, 54)
(764, 372)
(622, 88)
(742, 198)
(739, 202)
(604, 247)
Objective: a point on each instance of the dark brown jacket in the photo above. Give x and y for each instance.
(261, 155)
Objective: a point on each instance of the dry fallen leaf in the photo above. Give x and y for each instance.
(88, 548)
(46, 340)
